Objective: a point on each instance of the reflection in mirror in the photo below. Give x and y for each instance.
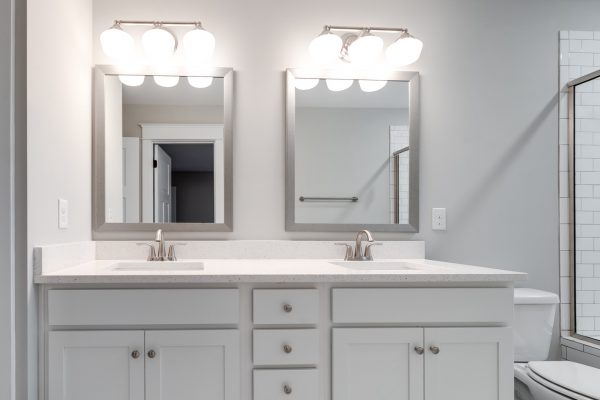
(352, 155)
(163, 149)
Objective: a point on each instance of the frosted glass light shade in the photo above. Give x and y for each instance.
(306, 83)
(116, 43)
(366, 49)
(132, 80)
(166, 81)
(200, 82)
(325, 48)
(404, 51)
(158, 44)
(371, 86)
(337, 85)
(199, 46)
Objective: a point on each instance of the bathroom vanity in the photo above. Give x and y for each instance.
(267, 328)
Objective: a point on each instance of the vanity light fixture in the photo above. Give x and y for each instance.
(337, 85)
(166, 81)
(370, 85)
(306, 83)
(132, 80)
(361, 47)
(200, 82)
(159, 43)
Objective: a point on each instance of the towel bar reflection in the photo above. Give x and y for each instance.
(352, 199)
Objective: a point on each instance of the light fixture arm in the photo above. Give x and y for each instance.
(364, 28)
(157, 23)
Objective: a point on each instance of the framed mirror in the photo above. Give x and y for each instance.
(162, 150)
(352, 159)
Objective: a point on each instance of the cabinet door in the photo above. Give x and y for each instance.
(96, 365)
(192, 365)
(470, 364)
(377, 363)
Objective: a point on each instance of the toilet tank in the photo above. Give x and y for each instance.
(534, 320)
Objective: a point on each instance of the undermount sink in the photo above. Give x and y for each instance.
(158, 266)
(377, 265)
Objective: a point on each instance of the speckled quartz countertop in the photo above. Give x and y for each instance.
(280, 271)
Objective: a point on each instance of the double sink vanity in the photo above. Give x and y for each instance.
(242, 320)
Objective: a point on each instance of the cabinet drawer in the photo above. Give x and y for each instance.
(298, 347)
(438, 306)
(143, 307)
(286, 307)
(286, 384)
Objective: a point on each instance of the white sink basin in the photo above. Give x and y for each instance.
(158, 266)
(377, 265)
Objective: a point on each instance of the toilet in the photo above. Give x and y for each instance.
(536, 378)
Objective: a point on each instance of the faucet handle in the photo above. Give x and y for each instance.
(152, 254)
(348, 254)
(369, 252)
(171, 254)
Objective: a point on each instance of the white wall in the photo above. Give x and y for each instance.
(59, 91)
(113, 148)
(342, 152)
(135, 114)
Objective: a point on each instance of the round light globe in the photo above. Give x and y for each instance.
(366, 49)
(371, 86)
(200, 82)
(337, 85)
(404, 51)
(325, 48)
(166, 81)
(306, 83)
(116, 43)
(132, 80)
(158, 44)
(199, 46)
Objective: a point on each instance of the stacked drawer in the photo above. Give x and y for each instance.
(286, 344)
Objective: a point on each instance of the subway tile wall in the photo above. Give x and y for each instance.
(399, 139)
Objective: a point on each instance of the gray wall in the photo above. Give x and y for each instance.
(134, 114)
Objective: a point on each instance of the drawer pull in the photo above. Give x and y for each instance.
(135, 354)
(287, 348)
(419, 350)
(287, 389)
(151, 354)
(434, 349)
(287, 308)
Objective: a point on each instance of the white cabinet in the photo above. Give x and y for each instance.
(96, 365)
(416, 363)
(116, 365)
(472, 364)
(377, 363)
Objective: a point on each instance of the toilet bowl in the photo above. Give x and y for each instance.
(535, 378)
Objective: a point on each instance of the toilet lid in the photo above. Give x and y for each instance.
(575, 377)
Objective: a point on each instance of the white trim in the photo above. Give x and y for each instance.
(184, 133)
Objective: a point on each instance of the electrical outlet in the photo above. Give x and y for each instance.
(438, 219)
(63, 214)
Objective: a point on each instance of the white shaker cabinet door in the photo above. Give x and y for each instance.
(96, 365)
(193, 365)
(468, 364)
(377, 363)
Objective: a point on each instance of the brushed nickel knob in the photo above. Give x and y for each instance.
(434, 349)
(151, 354)
(287, 389)
(287, 348)
(419, 350)
(287, 308)
(135, 354)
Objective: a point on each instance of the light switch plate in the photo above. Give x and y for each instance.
(63, 214)
(438, 219)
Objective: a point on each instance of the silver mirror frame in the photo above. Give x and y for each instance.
(290, 186)
(103, 230)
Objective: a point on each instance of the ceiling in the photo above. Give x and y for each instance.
(393, 95)
(149, 93)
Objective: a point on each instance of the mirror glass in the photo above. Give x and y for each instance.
(163, 149)
(352, 155)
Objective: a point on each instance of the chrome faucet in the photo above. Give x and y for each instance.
(358, 254)
(160, 254)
